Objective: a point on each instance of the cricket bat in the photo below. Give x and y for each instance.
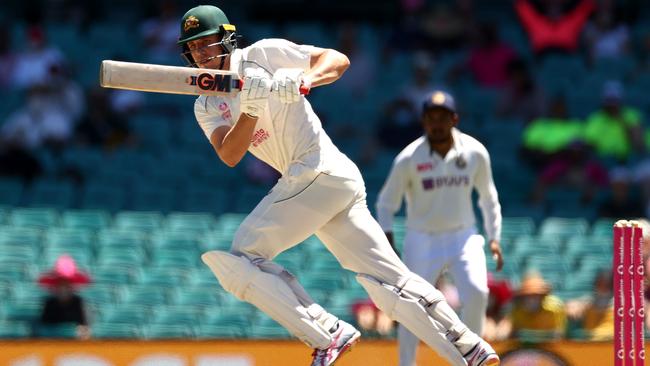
(170, 79)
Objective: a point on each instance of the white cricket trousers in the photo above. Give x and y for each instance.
(461, 253)
(334, 208)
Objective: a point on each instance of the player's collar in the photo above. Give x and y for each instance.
(235, 59)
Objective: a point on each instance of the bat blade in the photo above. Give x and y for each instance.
(168, 79)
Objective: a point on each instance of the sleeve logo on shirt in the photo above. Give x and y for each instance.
(259, 137)
(429, 184)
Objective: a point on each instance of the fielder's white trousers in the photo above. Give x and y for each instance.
(461, 253)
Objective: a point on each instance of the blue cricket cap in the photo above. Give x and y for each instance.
(441, 99)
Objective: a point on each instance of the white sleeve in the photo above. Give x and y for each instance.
(488, 197)
(211, 113)
(392, 193)
(280, 53)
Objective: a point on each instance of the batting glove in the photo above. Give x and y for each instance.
(255, 92)
(287, 83)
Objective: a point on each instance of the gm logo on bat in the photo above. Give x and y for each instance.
(206, 81)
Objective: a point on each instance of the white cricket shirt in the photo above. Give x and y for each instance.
(288, 137)
(439, 191)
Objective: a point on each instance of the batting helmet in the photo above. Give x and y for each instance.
(202, 21)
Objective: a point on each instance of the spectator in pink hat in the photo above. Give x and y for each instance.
(64, 305)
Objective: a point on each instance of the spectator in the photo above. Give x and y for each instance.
(488, 59)
(421, 85)
(160, 33)
(371, 319)
(102, 125)
(363, 69)
(619, 123)
(497, 325)
(573, 167)
(444, 25)
(621, 203)
(42, 122)
(535, 309)
(34, 64)
(399, 125)
(606, 37)
(553, 29)
(7, 57)
(545, 137)
(522, 98)
(64, 305)
(595, 314)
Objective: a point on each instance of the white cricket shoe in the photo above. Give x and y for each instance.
(342, 339)
(482, 355)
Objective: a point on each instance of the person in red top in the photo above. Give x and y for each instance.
(554, 30)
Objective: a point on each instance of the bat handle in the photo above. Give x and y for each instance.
(304, 89)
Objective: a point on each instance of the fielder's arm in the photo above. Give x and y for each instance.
(325, 66)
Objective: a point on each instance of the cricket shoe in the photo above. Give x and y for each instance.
(482, 355)
(342, 339)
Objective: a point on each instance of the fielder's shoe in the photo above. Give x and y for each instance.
(482, 355)
(342, 339)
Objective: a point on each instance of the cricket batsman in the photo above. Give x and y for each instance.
(320, 192)
(437, 174)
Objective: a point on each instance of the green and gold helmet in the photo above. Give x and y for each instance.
(202, 21)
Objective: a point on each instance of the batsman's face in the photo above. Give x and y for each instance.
(438, 123)
(207, 51)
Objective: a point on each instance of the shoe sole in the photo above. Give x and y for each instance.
(493, 362)
(348, 345)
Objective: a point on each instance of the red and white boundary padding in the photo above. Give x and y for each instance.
(628, 294)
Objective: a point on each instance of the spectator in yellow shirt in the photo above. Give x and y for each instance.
(536, 310)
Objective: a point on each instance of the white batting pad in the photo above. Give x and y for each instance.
(413, 316)
(269, 293)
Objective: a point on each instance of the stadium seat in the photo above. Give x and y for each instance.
(10, 272)
(34, 217)
(181, 240)
(22, 311)
(218, 331)
(207, 296)
(99, 295)
(177, 315)
(162, 277)
(121, 256)
(125, 313)
(28, 292)
(564, 227)
(114, 274)
(148, 197)
(179, 258)
(144, 295)
(68, 237)
(603, 227)
(164, 331)
(515, 226)
(115, 330)
(122, 238)
(197, 222)
(64, 330)
(144, 221)
(14, 329)
(23, 254)
(85, 219)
